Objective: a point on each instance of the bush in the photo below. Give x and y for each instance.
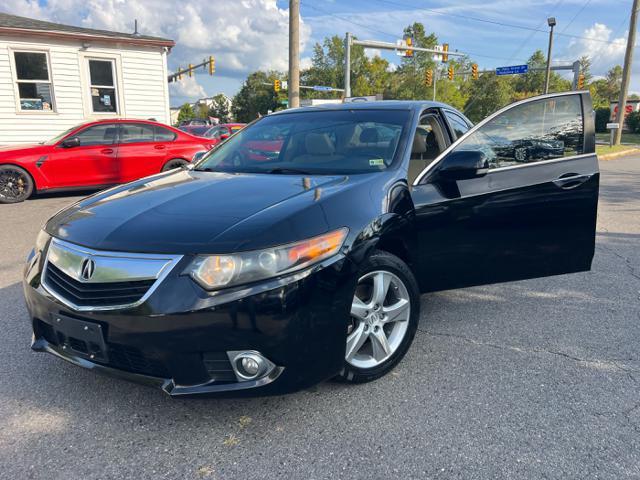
(602, 118)
(633, 121)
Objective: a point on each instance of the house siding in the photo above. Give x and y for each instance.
(141, 83)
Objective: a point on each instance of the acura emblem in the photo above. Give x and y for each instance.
(87, 269)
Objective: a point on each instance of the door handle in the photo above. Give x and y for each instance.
(159, 147)
(106, 150)
(571, 180)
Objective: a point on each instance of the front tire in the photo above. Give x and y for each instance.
(16, 185)
(384, 318)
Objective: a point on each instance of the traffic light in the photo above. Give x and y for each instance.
(190, 70)
(428, 78)
(581, 81)
(409, 41)
(474, 71)
(179, 73)
(450, 72)
(445, 49)
(212, 65)
(276, 85)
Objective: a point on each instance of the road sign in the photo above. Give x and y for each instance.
(436, 56)
(322, 88)
(612, 125)
(512, 70)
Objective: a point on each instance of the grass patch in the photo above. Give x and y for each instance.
(606, 149)
(632, 138)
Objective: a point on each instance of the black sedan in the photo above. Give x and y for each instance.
(269, 273)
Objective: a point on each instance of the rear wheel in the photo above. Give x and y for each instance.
(16, 184)
(174, 163)
(384, 318)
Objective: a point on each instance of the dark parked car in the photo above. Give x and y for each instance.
(267, 275)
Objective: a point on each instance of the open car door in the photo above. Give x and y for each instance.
(515, 197)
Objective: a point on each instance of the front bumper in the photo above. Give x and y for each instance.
(178, 338)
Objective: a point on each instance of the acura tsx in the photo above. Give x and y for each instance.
(267, 270)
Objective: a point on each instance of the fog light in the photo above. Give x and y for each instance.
(249, 365)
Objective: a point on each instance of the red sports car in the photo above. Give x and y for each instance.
(95, 154)
(222, 131)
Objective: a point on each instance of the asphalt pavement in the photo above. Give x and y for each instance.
(532, 379)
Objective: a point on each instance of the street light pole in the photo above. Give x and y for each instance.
(626, 72)
(347, 65)
(551, 21)
(294, 53)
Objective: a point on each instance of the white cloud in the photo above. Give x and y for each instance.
(187, 89)
(372, 52)
(243, 35)
(305, 63)
(603, 55)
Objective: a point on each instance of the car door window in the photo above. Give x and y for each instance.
(535, 131)
(459, 126)
(103, 134)
(136, 133)
(428, 143)
(163, 134)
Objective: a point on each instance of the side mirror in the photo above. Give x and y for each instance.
(463, 165)
(71, 142)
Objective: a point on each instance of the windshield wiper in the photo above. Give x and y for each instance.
(281, 170)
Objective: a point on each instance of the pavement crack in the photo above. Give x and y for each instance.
(627, 261)
(595, 364)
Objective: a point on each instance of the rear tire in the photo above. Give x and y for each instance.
(173, 164)
(16, 185)
(384, 318)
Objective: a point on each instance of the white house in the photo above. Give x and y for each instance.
(55, 76)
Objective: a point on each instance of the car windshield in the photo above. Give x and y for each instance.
(318, 142)
(60, 136)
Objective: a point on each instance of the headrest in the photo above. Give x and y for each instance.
(369, 135)
(110, 132)
(319, 144)
(419, 144)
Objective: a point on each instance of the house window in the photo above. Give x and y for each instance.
(34, 81)
(103, 86)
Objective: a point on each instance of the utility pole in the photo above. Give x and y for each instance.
(626, 72)
(347, 65)
(551, 21)
(294, 53)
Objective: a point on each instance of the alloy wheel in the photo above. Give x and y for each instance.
(380, 315)
(14, 185)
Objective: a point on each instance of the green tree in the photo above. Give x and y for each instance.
(186, 113)
(487, 94)
(255, 98)
(606, 90)
(585, 69)
(220, 109)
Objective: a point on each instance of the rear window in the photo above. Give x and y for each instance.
(320, 142)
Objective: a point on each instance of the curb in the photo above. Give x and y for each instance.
(613, 156)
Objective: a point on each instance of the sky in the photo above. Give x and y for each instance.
(247, 35)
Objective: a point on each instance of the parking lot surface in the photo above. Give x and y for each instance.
(532, 379)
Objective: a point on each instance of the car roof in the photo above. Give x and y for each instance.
(375, 105)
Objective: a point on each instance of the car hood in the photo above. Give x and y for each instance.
(23, 148)
(199, 212)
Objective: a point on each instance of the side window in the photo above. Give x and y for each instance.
(34, 81)
(532, 132)
(164, 135)
(103, 134)
(103, 86)
(136, 133)
(458, 125)
(428, 143)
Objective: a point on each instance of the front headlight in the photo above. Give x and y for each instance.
(220, 271)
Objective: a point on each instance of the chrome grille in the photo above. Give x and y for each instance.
(114, 279)
(95, 294)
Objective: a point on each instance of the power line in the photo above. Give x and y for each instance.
(586, 4)
(388, 34)
(493, 22)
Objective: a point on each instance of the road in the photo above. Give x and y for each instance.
(533, 379)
